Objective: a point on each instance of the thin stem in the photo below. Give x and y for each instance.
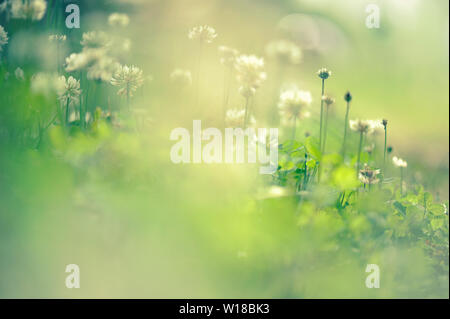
(294, 128)
(321, 113)
(227, 85)
(401, 181)
(67, 112)
(359, 153)
(385, 148)
(199, 67)
(325, 130)
(246, 112)
(344, 143)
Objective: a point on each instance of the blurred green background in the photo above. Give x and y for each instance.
(139, 226)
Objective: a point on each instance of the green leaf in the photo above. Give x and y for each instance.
(437, 210)
(344, 178)
(313, 147)
(437, 223)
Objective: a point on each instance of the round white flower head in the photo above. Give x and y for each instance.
(328, 100)
(368, 175)
(128, 79)
(58, 38)
(118, 19)
(102, 69)
(284, 51)
(30, 9)
(47, 84)
(228, 56)
(20, 75)
(181, 77)
(3, 38)
(235, 118)
(294, 103)
(250, 71)
(324, 73)
(95, 40)
(203, 33)
(361, 126)
(71, 92)
(377, 127)
(399, 162)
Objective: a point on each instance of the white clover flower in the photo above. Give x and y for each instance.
(294, 103)
(250, 73)
(377, 126)
(324, 73)
(228, 56)
(95, 40)
(181, 77)
(102, 69)
(203, 33)
(70, 94)
(20, 75)
(284, 51)
(328, 100)
(47, 84)
(369, 176)
(128, 78)
(30, 9)
(4, 6)
(235, 118)
(3, 38)
(399, 162)
(57, 38)
(361, 126)
(118, 19)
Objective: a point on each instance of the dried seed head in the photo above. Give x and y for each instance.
(385, 123)
(368, 175)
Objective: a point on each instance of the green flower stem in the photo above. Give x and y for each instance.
(227, 86)
(401, 181)
(67, 112)
(385, 149)
(294, 128)
(246, 112)
(325, 130)
(361, 137)
(344, 143)
(321, 113)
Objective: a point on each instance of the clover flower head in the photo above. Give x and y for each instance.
(294, 103)
(235, 118)
(128, 79)
(203, 33)
(95, 40)
(328, 100)
(247, 91)
(57, 38)
(228, 56)
(369, 176)
(181, 77)
(102, 69)
(30, 9)
(47, 84)
(377, 127)
(361, 126)
(118, 19)
(250, 71)
(284, 51)
(20, 75)
(399, 162)
(324, 73)
(3, 38)
(71, 91)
